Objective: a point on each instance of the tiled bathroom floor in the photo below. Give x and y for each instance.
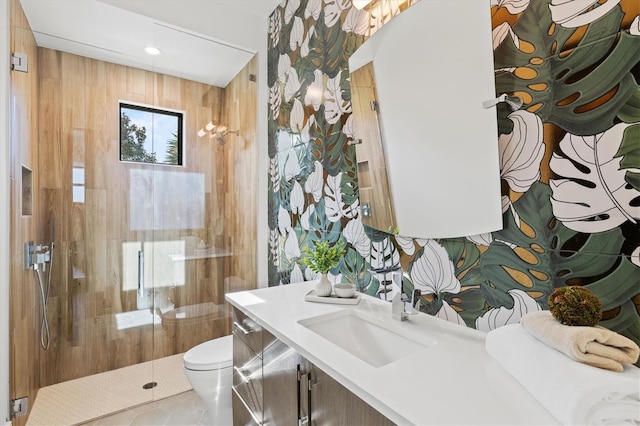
(184, 409)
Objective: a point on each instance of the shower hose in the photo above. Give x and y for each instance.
(45, 333)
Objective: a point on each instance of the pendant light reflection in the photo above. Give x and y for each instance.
(216, 132)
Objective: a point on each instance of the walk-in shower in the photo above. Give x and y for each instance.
(141, 253)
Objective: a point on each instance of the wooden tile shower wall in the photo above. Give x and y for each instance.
(82, 95)
(242, 163)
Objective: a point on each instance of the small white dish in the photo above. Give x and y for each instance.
(344, 290)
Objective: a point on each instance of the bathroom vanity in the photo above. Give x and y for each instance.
(275, 385)
(299, 362)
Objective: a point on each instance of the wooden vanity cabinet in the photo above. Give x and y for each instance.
(333, 404)
(277, 386)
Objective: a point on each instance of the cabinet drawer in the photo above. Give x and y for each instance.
(247, 376)
(242, 416)
(249, 331)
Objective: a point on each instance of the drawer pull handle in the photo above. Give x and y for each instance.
(241, 328)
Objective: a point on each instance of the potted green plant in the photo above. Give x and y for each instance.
(321, 259)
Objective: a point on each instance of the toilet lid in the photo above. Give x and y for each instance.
(211, 355)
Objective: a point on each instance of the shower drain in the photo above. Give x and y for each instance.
(149, 385)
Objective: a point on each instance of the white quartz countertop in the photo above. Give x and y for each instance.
(454, 381)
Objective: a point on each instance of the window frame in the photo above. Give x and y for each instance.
(180, 115)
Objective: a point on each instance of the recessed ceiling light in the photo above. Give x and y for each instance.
(152, 50)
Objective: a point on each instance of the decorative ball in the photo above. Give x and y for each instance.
(575, 305)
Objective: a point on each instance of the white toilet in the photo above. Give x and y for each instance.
(209, 369)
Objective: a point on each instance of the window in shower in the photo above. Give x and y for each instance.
(151, 135)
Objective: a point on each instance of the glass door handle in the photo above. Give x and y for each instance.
(140, 273)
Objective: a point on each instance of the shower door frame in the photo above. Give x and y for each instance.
(4, 211)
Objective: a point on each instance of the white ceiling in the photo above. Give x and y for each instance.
(202, 40)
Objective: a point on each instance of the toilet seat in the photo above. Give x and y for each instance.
(214, 354)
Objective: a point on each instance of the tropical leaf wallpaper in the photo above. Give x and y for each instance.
(569, 157)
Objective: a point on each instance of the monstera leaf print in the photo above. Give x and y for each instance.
(576, 79)
(383, 254)
(335, 208)
(543, 254)
(333, 9)
(320, 227)
(335, 104)
(329, 48)
(594, 194)
(354, 265)
(469, 302)
(327, 143)
(340, 200)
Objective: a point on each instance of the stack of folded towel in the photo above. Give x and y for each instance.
(540, 353)
(595, 346)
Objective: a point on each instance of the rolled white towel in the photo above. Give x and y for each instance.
(575, 393)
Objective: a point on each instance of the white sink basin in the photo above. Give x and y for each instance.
(376, 342)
